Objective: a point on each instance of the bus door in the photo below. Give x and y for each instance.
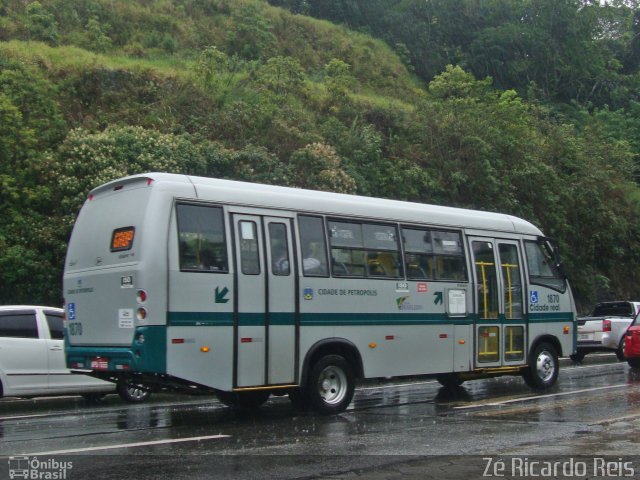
(265, 339)
(500, 321)
(281, 299)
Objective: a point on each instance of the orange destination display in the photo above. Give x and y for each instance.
(122, 239)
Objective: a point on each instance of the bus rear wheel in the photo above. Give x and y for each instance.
(132, 392)
(542, 371)
(331, 385)
(249, 400)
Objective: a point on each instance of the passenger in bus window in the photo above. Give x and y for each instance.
(414, 268)
(310, 264)
(280, 260)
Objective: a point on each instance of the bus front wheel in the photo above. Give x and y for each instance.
(331, 385)
(542, 371)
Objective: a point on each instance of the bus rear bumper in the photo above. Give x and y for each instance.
(146, 354)
(100, 359)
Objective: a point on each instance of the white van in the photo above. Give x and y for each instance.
(32, 359)
(32, 362)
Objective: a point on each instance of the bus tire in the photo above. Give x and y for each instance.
(248, 400)
(634, 362)
(449, 380)
(331, 385)
(542, 371)
(132, 392)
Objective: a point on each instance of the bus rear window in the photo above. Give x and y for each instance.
(122, 239)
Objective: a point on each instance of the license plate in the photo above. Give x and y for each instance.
(585, 336)
(99, 363)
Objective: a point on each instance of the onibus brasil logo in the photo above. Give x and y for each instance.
(33, 468)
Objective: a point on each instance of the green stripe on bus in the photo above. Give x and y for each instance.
(282, 318)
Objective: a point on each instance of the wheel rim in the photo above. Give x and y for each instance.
(136, 393)
(332, 385)
(545, 366)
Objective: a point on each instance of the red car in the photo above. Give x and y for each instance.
(632, 343)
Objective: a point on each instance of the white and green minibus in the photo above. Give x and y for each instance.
(247, 290)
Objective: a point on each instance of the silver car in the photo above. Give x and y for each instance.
(605, 329)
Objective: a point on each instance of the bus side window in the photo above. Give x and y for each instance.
(447, 247)
(434, 255)
(364, 250)
(313, 245)
(418, 255)
(201, 238)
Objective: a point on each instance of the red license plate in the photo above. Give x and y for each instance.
(99, 363)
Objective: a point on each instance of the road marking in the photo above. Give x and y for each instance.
(127, 445)
(23, 417)
(428, 382)
(607, 421)
(538, 397)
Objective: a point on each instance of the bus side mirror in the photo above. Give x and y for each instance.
(554, 252)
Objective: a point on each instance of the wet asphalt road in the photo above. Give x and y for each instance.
(594, 410)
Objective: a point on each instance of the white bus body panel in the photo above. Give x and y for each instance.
(230, 330)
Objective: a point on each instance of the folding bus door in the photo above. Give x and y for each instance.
(499, 317)
(514, 333)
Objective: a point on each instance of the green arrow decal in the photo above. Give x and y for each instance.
(438, 298)
(220, 294)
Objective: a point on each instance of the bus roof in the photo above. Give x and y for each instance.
(328, 203)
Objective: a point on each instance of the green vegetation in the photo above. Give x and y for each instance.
(525, 107)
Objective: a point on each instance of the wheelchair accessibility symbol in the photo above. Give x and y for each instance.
(533, 296)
